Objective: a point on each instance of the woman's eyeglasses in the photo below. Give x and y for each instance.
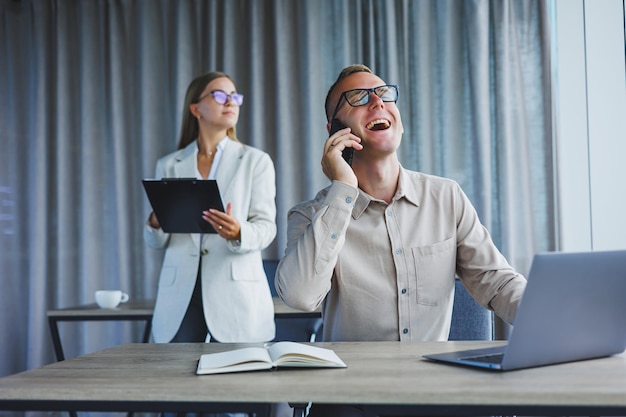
(361, 96)
(221, 97)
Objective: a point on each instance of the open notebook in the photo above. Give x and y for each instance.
(573, 308)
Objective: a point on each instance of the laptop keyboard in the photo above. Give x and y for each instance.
(497, 358)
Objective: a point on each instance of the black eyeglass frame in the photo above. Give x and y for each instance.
(236, 98)
(344, 95)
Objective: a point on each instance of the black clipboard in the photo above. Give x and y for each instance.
(178, 203)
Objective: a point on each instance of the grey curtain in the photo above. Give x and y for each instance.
(91, 95)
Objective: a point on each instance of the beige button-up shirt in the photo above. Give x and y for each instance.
(386, 271)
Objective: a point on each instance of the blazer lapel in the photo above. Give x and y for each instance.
(185, 166)
(233, 153)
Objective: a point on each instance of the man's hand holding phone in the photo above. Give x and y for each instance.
(348, 152)
(341, 139)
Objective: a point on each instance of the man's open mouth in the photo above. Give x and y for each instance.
(378, 124)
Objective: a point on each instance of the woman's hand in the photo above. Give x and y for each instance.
(153, 221)
(224, 223)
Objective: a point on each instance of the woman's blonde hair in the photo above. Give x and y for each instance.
(189, 129)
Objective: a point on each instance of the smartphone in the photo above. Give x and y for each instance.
(347, 153)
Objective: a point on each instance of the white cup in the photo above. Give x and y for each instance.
(110, 298)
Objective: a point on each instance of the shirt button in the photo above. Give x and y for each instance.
(389, 213)
(403, 290)
(349, 200)
(333, 236)
(398, 251)
(405, 331)
(204, 252)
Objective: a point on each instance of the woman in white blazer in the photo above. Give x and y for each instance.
(213, 286)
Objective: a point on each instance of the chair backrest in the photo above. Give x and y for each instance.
(470, 320)
(292, 329)
(270, 266)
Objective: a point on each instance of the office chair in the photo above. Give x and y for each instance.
(292, 329)
(470, 320)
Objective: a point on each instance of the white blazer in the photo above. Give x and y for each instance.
(236, 297)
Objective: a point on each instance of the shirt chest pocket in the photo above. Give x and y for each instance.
(434, 271)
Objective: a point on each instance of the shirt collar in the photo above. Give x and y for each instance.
(220, 145)
(405, 190)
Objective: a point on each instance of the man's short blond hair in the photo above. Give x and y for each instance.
(347, 71)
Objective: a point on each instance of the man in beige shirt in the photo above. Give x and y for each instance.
(380, 247)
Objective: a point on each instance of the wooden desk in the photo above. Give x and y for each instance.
(389, 376)
(139, 311)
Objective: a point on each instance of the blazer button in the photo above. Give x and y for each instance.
(204, 252)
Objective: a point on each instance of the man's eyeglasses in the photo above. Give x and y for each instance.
(221, 97)
(361, 96)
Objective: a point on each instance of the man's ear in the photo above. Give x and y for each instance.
(328, 127)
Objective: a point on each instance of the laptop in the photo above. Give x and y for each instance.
(573, 308)
(178, 203)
